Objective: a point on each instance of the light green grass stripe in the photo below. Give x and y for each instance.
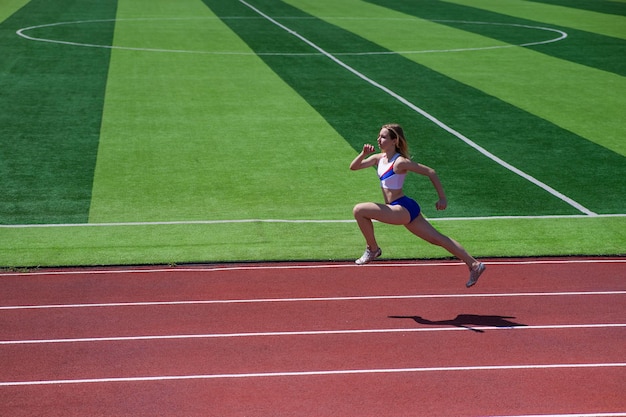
(164, 244)
(197, 136)
(583, 100)
(8, 7)
(586, 101)
(600, 23)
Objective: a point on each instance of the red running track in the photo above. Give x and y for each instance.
(533, 337)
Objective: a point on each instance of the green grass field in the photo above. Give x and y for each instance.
(152, 132)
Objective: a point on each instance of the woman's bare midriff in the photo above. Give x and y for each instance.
(391, 195)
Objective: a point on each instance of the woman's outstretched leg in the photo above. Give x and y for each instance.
(423, 229)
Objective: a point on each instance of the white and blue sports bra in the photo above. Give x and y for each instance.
(388, 178)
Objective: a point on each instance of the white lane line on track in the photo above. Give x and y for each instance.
(311, 333)
(428, 116)
(308, 299)
(316, 373)
(316, 265)
(620, 414)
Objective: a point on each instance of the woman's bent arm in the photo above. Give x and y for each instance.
(362, 160)
(408, 165)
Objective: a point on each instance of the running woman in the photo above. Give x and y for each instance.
(393, 164)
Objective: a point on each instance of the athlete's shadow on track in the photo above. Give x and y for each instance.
(466, 321)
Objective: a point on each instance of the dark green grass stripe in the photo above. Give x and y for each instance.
(51, 99)
(590, 49)
(478, 186)
(600, 6)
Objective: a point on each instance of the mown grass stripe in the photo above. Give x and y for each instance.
(8, 7)
(576, 49)
(568, 17)
(52, 103)
(600, 6)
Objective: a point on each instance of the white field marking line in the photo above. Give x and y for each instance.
(175, 223)
(428, 116)
(21, 32)
(317, 373)
(309, 333)
(562, 35)
(296, 221)
(305, 267)
(307, 299)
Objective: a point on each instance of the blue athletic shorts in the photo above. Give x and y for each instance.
(409, 204)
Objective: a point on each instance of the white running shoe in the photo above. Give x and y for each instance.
(475, 274)
(368, 256)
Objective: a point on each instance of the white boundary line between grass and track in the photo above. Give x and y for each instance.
(303, 221)
(428, 116)
(318, 373)
(320, 265)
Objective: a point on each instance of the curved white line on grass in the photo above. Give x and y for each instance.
(21, 32)
(309, 333)
(303, 221)
(316, 373)
(562, 35)
(427, 115)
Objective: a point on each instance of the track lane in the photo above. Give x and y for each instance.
(479, 393)
(304, 280)
(309, 316)
(128, 359)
